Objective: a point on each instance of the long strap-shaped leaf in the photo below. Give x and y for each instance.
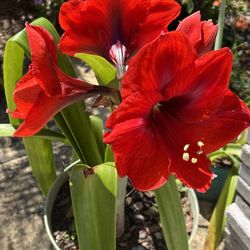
(41, 159)
(217, 221)
(93, 193)
(171, 214)
(39, 150)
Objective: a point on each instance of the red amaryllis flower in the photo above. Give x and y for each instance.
(201, 34)
(44, 89)
(176, 109)
(94, 26)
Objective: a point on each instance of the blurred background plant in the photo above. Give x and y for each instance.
(49, 9)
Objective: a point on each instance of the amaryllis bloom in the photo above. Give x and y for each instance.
(94, 26)
(176, 109)
(201, 34)
(44, 89)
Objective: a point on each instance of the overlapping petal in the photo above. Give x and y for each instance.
(93, 26)
(205, 96)
(201, 34)
(185, 110)
(137, 143)
(157, 66)
(44, 89)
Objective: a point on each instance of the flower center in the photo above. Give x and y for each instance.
(117, 54)
(186, 154)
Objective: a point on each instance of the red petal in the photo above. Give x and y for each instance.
(206, 95)
(26, 92)
(146, 173)
(209, 32)
(41, 110)
(194, 170)
(200, 34)
(143, 21)
(43, 55)
(163, 66)
(232, 117)
(137, 145)
(128, 110)
(87, 26)
(94, 26)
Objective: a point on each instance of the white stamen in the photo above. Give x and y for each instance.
(185, 156)
(200, 152)
(194, 160)
(214, 176)
(186, 147)
(200, 144)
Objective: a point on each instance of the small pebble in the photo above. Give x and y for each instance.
(151, 212)
(128, 200)
(158, 235)
(139, 217)
(123, 244)
(142, 234)
(138, 206)
(149, 194)
(138, 248)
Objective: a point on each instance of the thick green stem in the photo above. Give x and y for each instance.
(171, 214)
(219, 37)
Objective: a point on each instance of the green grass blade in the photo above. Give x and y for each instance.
(41, 159)
(94, 204)
(171, 214)
(104, 71)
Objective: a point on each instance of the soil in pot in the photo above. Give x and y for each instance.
(142, 222)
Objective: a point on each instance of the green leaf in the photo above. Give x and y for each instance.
(171, 214)
(109, 156)
(233, 148)
(6, 130)
(51, 135)
(21, 37)
(41, 159)
(217, 221)
(104, 71)
(80, 127)
(13, 71)
(97, 125)
(93, 196)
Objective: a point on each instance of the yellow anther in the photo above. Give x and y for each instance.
(194, 160)
(200, 144)
(185, 156)
(186, 147)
